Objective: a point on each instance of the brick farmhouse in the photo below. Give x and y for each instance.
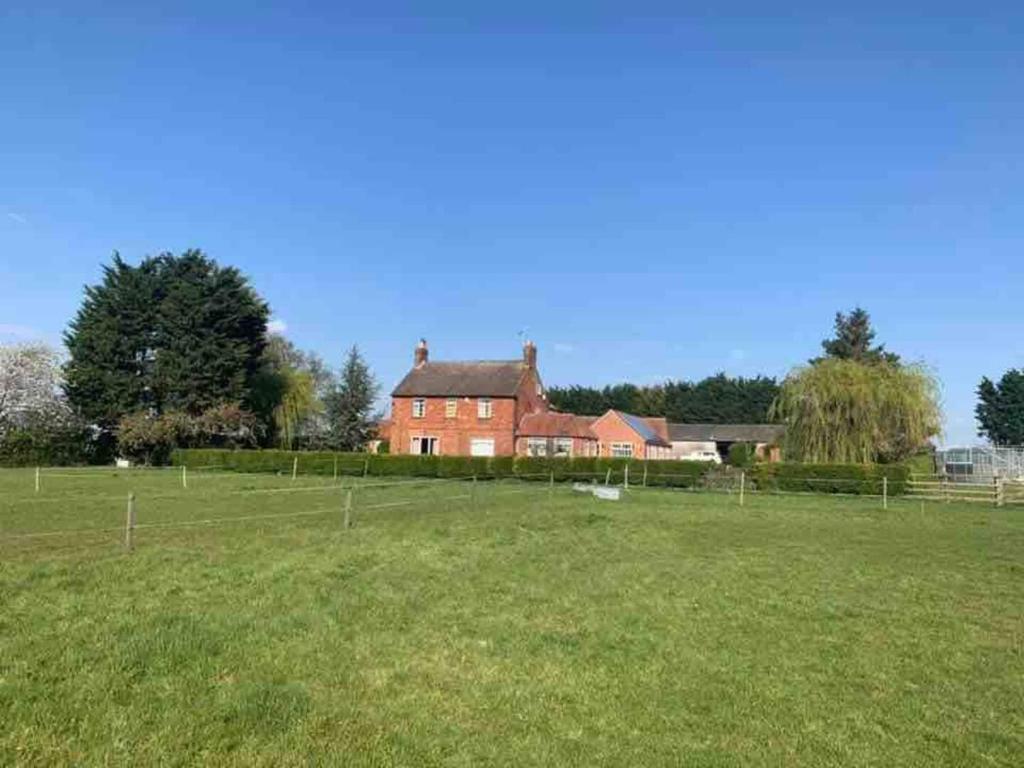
(498, 408)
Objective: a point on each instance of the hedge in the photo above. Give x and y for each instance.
(819, 478)
(862, 479)
(60, 447)
(678, 474)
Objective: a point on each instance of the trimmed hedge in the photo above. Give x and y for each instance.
(819, 478)
(862, 479)
(677, 474)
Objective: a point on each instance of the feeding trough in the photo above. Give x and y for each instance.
(605, 492)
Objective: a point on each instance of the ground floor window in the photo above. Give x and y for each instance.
(622, 450)
(536, 446)
(481, 446)
(424, 446)
(563, 446)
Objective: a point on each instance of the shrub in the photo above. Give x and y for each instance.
(742, 455)
(151, 439)
(62, 445)
(830, 478)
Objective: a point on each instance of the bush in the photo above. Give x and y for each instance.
(742, 455)
(64, 445)
(830, 478)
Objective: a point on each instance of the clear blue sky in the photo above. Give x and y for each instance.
(650, 193)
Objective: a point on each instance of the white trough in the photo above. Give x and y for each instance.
(606, 492)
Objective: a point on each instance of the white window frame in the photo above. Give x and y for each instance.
(451, 408)
(419, 407)
(484, 408)
(621, 450)
(414, 445)
(562, 447)
(537, 447)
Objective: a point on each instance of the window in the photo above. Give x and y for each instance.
(536, 446)
(451, 408)
(622, 450)
(483, 408)
(481, 446)
(563, 446)
(419, 408)
(423, 446)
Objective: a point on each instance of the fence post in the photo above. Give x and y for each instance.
(129, 524)
(335, 469)
(1000, 491)
(348, 509)
(184, 476)
(644, 482)
(295, 467)
(37, 479)
(472, 492)
(743, 484)
(625, 478)
(945, 488)
(885, 491)
(366, 467)
(608, 476)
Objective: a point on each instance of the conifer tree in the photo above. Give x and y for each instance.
(350, 406)
(175, 333)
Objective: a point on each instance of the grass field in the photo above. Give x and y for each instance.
(506, 625)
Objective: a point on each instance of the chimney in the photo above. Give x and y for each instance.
(530, 355)
(420, 356)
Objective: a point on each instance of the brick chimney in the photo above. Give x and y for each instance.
(530, 355)
(420, 356)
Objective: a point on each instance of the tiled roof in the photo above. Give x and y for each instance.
(476, 378)
(726, 433)
(553, 424)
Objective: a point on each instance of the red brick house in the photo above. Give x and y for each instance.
(465, 408)
(498, 408)
(623, 435)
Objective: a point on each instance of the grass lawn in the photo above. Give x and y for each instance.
(514, 628)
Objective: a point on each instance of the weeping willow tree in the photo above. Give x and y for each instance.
(844, 411)
(298, 402)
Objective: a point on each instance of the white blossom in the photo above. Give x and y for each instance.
(30, 385)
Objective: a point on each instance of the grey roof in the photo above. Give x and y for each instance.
(642, 428)
(726, 433)
(474, 378)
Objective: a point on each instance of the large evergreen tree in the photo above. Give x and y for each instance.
(350, 406)
(853, 340)
(1000, 409)
(175, 333)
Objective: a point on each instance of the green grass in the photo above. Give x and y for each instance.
(516, 628)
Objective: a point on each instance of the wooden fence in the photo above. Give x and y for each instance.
(999, 491)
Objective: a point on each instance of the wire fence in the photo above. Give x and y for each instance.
(79, 505)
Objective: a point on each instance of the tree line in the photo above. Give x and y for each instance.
(717, 399)
(176, 352)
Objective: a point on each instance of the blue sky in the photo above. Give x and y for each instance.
(650, 193)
